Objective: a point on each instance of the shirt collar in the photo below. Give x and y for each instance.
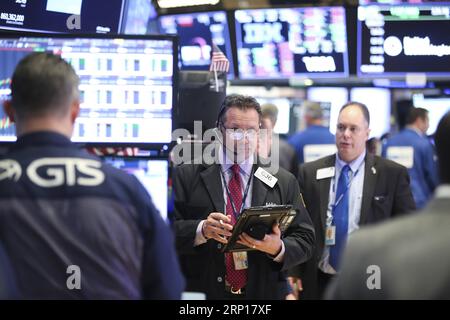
(226, 163)
(354, 165)
(443, 191)
(414, 129)
(42, 138)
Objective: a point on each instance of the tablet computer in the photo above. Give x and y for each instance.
(257, 222)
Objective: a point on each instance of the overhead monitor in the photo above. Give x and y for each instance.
(397, 40)
(437, 107)
(139, 17)
(284, 111)
(281, 43)
(65, 16)
(152, 173)
(395, 2)
(127, 84)
(197, 33)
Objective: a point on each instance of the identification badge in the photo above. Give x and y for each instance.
(240, 260)
(330, 236)
(325, 173)
(401, 155)
(265, 177)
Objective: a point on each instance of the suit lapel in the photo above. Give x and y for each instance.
(260, 189)
(213, 182)
(370, 179)
(324, 188)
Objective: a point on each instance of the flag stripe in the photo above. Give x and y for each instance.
(219, 61)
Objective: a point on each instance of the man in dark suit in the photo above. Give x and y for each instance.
(372, 189)
(208, 200)
(407, 258)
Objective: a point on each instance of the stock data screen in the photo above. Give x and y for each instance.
(394, 40)
(197, 32)
(66, 16)
(282, 43)
(153, 175)
(126, 85)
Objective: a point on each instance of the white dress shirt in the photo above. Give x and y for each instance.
(357, 167)
(245, 173)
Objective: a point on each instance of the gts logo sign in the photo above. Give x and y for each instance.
(55, 172)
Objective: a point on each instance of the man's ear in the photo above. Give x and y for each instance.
(74, 110)
(9, 110)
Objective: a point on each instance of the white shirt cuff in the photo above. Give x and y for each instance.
(280, 256)
(199, 238)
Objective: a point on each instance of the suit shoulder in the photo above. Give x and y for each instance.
(283, 175)
(319, 163)
(389, 164)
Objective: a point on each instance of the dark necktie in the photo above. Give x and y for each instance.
(236, 278)
(340, 218)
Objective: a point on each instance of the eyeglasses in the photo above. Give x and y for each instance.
(239, 134)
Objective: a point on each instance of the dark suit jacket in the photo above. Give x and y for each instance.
(386, 193)
(198, 192)
(288, 158)
(411, 254)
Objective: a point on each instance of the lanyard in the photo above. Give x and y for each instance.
(336, 202)
(347, 187)
(235, 212)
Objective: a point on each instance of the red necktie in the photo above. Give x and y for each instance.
(236, 278)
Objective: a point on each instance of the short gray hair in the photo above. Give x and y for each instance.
(313, 110)
(43, 84)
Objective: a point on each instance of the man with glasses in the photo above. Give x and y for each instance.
(209, 199)
(345, 191)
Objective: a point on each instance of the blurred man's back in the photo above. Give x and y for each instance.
(72, 227)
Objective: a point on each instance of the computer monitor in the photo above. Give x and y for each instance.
(396, 40)
(139, 17)
(281, 43)
(152, 173)
(197, 32)
(437, 107)
(378, 101)
(332, 97)
(66, 16)
(284, 113)
(127, 84)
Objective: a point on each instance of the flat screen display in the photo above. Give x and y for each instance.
(283, 43)
(284, 111)
(197, 33)
(437, 107)
(395, 40)
(65, 16)
(126, 84)
(152, 173)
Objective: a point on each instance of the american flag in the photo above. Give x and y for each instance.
(219, 61)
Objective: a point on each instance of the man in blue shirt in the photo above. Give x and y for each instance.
(72, 227)
(412, 148)
(315, 133)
